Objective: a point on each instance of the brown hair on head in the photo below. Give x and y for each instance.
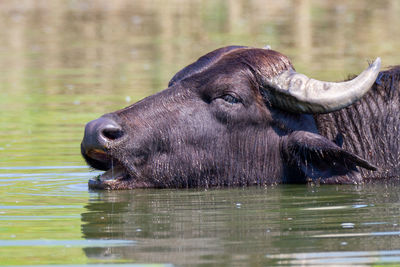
(264, 63)
(202, 63)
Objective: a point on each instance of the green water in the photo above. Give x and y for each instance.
(64, 63)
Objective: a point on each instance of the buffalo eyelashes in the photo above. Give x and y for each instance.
(230, 99)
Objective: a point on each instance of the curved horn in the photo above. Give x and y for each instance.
(297, 93)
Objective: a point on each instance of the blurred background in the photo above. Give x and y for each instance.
(65, 62)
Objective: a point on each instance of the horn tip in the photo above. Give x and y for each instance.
(377, 64)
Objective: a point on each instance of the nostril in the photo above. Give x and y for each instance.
(111, 132)
(101, 133)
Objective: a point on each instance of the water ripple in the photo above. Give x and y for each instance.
(72, 243)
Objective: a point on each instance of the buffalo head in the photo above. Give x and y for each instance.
(237, 116)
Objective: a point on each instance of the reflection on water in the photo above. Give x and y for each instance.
(65, 62)
(55, 220)
(252, 226)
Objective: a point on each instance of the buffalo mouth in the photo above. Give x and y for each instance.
(116, 175)
(114, 178)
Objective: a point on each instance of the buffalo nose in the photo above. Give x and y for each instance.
(101, 133)
(110, 131)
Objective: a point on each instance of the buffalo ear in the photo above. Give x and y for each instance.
(312, 156)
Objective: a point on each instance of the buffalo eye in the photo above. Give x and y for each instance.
(231, 99)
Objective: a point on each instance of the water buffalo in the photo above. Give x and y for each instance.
(242, 116)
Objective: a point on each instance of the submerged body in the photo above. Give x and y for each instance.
(242, 116)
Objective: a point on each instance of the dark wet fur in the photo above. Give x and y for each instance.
(188, 136)
(370, 127)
